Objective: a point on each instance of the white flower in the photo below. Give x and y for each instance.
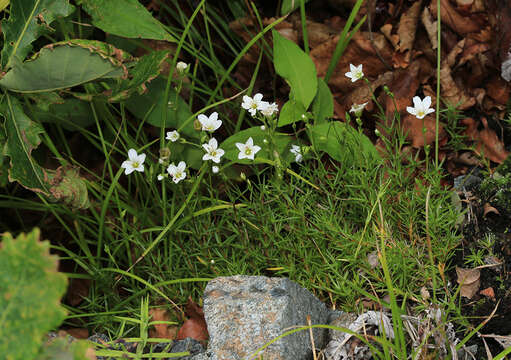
(297, 152)
(253, 104)
(248, 149)
(355, 73)
(177, 172)
(181, 66)
(268, 109)
(263, 128)
(213, 153)
(210, 123)
(134, 162)
(215, 169)
(358, 108)
(160, 177)
(172, 136)
(421, 107)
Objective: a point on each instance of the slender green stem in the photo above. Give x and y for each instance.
(438, 66)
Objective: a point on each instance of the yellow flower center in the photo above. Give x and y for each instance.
(248, 151)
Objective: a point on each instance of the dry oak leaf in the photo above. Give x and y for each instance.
(408, 26)
(461, 24)
(195, 327)
(161, 331)
(488, 292)
(469, 280)
(490, 145)
(490, 209)
(450, 90)
(430, 25)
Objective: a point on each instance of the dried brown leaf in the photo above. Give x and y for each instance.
(195, 327)
(490, 209)
(469, 280)
(161, 331)
(461, 24)
(430, 25)
(488, 292)
(451, 92)
(408, 26)
(490, 145)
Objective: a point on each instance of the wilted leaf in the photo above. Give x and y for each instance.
(126, 18)
(161, 330)
(490, 209)
(469, 280)
(195, 327)
(488, 292)
(28, 20)
(296, 67)
(60, 67)
(461, 24)
(30, 293)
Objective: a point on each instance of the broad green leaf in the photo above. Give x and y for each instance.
(323, 104)
(126, 18)
(291, 112)
(63, 184)
(190, 154)
(259, 136)
(149, 106)
(344, 143)
(146, 69)
(30, 293)
(4, 162)
(60, 67)
(296, 67)
(22, 138)
(290, 5)
(28, 20)
(72, 114)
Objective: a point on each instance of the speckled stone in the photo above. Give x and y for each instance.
(244, 313)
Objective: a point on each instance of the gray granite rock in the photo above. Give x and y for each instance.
(244, 313)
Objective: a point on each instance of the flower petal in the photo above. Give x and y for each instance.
(213, 116)
(258, 97)
(129, 170)
(250, 142)
(141, 158)
(240, 146)
(411, 110)
(417, 102)
(426, 102)
(132, 155)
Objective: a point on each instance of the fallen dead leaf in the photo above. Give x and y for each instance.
(408, 26)
(161, 331)
(195, 327)
(79, 333)
(461, 24)
(490, 145)
(490, 209)
(488, 292)
(77, 290)
(469, 280)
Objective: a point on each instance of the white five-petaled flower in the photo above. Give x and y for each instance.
(254, 104)
(181, 66)
(269, 109)
(358, 108)
(210, 123)
(420, 107)
(160, 177)
(172, 136)
(297, 152)
(177, 172)
(248, 149)
(134, 162)
(215, 169)
(355, 73)
(213, 153)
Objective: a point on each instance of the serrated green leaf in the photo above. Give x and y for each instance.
(147, 68)
(126, 18)
(323, 104)
(343, 143)
(291, 112)
(259, 136)
(28, 20)
(60, 67)
(296, 67)
(30, 293)
(149, 106)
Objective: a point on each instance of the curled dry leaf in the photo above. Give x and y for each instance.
(488, 292)
(490, 145)
(490, 209)
(195, 327)
(469, 280)
(451, 92)
(430, 24)
(78, 333)
(408, 26)
(461, 24)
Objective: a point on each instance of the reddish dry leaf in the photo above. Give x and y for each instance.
(490, 145)
(78, 333)
(488, 292)
(498, 90)
(393, 38)
(461, 24)
(469, 280)
(451, 92)
(489, 209)
(161, 331)
(422, 131)
(408, 26)
(195, 327)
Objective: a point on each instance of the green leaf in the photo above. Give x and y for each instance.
(291, 112)
(60, 67)
(149, 106)
(190, 154)
(30, 293)
(146, 69)
(63, 184)
(323, 104)
(126, 18)
(28, 20)
(231, 151)
(344, 143)
(4, 162)
(296, 67)
(72, 114)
